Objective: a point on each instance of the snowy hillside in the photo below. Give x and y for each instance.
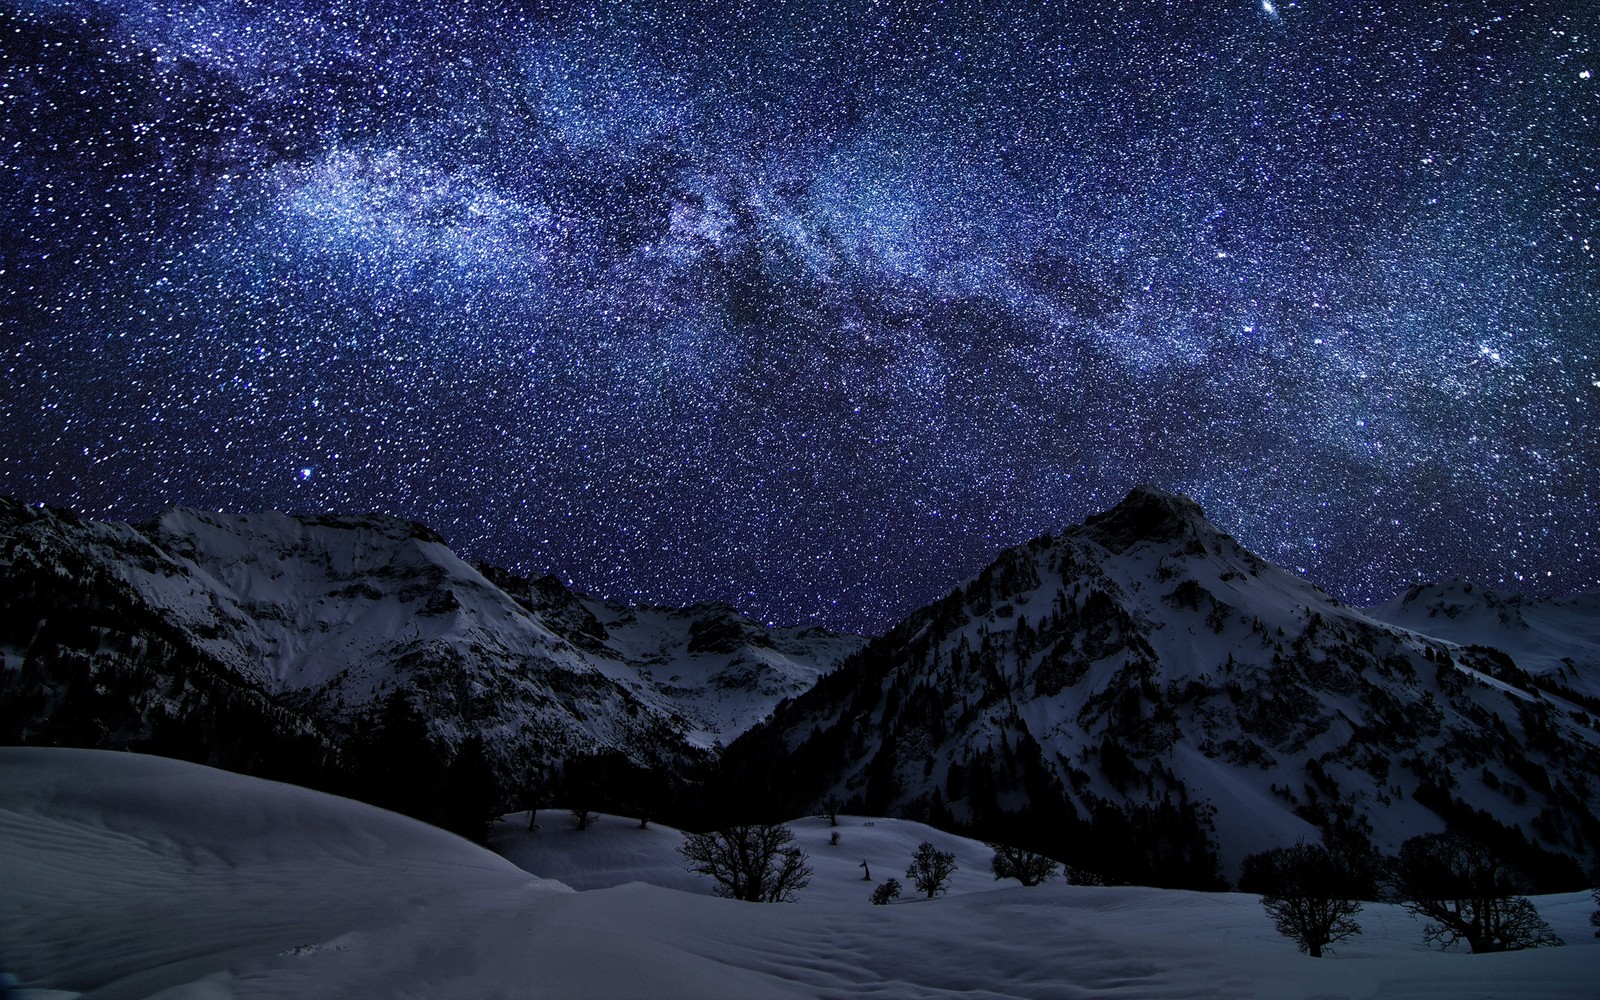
(1143, 679)
(127, 876)
(326, 616)
(1558, 640)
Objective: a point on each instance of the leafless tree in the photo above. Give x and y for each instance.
(1310, 894)
(931, 869)
(829, 809)
(1469, 893)
(755, 862)
(1024, 866)
(536, 792)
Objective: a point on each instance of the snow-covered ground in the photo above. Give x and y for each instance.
(131, 876)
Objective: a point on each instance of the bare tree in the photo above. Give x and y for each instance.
(536, 790)
(931, 869)
(829, 810)
(1023, 865)
(1469, 893)
(755, 862)
(1310, 893)
(886, 893)
(584, 816)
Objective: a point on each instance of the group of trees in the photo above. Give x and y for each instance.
(1312, 892)
(760, 863)
(392, 760)
(1462, 887)
(929, 871)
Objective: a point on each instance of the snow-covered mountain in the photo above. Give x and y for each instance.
(1142, 687)
(1557, 641)
(718, 667)
(327, 616)
(1139, 694)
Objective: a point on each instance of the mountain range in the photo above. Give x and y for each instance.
(123, 635)
(1138, 693)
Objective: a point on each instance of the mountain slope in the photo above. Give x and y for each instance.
(326, 618)
(722, 671)
(87, 662)
(1143, 687)
(1556, 641)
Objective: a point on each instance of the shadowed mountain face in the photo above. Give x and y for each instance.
(1147, 516)
(1143, 686)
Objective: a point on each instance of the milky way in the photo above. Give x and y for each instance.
(812, 308)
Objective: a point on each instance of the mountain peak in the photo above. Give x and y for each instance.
(1462, 590)
(1147, 514)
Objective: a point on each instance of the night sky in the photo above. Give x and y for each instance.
(809, 307)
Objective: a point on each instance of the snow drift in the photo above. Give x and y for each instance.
(131, 876)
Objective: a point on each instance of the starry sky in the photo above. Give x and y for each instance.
(814, 307)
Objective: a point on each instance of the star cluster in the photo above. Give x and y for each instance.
(812, 307)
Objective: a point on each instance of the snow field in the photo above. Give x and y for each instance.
(614, 851)
(130, 876)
